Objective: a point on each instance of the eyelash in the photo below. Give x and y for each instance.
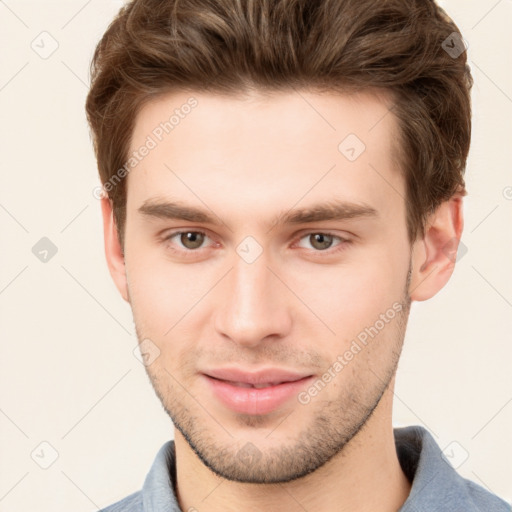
(343, 242)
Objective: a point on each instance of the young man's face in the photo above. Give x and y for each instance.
(242, 300)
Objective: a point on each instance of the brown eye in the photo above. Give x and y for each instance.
(321, 241)
(192, 239)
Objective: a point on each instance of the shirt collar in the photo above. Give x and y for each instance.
(435, 483)
(158, 493)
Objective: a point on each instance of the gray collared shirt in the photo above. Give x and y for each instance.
(436, 486)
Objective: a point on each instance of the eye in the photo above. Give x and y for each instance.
(189, 240)
(323, 241)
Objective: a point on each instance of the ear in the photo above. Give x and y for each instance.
(113, 250)
(434, 256)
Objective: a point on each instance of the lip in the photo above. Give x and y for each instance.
(233, 388)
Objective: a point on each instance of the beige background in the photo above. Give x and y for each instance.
(68, 375)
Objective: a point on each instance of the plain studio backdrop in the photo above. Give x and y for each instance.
(79, 422)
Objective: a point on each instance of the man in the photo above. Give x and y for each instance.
(281, 179)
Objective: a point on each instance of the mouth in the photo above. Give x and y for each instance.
(248, 385)
(255, 393)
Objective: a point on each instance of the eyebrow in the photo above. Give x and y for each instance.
(330, 210)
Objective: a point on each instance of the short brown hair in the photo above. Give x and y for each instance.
(229, 46)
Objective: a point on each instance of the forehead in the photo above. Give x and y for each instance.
(257, 150)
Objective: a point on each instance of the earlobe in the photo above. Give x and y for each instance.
(113, 250)
(434, 256)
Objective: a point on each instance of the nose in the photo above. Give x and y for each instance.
(253, 304)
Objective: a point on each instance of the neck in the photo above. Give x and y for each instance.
(365, 476)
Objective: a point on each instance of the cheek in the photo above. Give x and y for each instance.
(156, 292)
(164, 305)
(159, 289)
(350, 296)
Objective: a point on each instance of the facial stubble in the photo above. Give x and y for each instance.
(334, 425)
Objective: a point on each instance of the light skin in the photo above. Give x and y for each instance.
(245, 162)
